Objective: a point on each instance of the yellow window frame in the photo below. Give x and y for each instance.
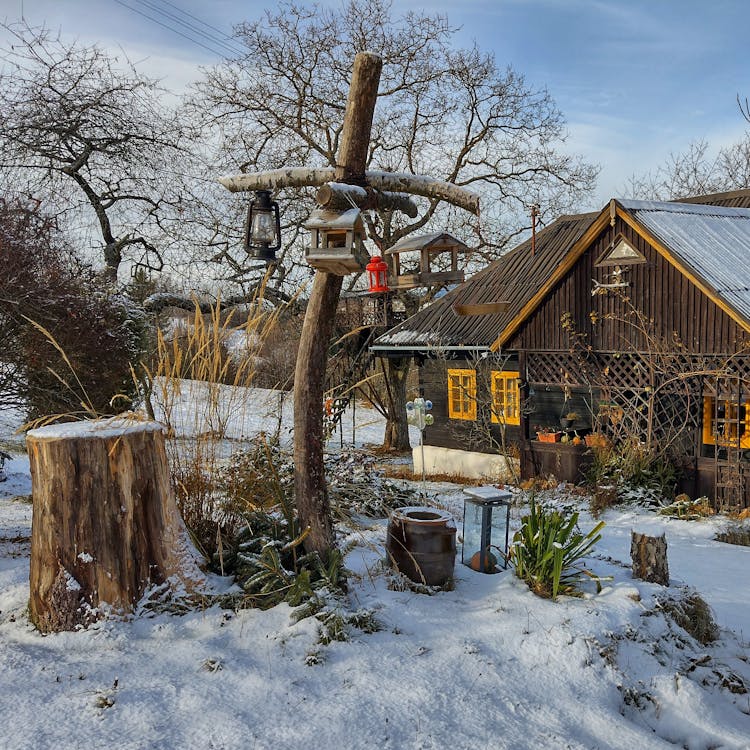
(462, 394)
(506, 397)
(736, 420)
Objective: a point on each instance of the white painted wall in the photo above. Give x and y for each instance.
(472, 465)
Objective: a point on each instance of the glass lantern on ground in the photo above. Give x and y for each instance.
(486, 527)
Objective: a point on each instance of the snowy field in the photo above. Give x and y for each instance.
(487, 665)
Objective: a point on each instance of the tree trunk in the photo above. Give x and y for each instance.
(105, 525)
(649, 556)
(396, 427)
(310, 491)
(309, 378)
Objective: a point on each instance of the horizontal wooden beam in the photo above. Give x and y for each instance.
(488, 308)
(339, 196)
(397, 182)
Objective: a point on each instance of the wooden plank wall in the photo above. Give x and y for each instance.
(656, 288)
(456, 433)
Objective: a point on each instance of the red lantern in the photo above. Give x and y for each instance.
(377, 272)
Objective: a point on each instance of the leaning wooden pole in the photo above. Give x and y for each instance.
(309, 378)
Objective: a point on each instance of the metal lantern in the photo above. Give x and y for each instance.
(263, 229)
(486, 525)
(377, 274)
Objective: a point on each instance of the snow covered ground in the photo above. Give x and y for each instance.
(487, 665)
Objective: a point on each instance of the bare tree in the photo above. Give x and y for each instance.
(447, 112)
(86, 130)
(696, 171)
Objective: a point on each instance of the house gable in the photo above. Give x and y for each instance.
(661, 286)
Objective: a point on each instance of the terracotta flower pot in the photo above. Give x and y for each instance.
(548, 437)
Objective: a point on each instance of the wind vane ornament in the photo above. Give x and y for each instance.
(416, 414)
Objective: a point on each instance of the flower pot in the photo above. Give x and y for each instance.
(548, 437)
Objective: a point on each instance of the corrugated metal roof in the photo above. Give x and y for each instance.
(712, 241)
(514, 279)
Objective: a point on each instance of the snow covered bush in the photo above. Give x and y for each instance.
(547, 550)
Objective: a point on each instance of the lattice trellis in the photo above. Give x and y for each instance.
(637, 396)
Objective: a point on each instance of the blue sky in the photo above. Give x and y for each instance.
(636, 79)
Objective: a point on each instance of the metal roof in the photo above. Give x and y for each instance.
(513, 278)
(712, 241)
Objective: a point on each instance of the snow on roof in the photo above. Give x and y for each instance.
(325, 219)
(713, 241)
(425, 240)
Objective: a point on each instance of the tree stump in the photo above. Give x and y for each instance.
(649, 556)
(105, 524)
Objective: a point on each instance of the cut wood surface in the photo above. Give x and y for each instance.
(105, 525)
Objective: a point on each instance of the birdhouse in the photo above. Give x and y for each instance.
(430, 271)
(336, 241)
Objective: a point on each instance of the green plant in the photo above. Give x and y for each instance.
(629, 466)
(547, 550)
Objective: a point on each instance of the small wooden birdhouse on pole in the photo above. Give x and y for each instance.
(428, 246)
(337, 244)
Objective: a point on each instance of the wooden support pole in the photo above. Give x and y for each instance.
(309, 475)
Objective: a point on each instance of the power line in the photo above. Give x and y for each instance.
(203, 23)
(219, 38)
(161, 23)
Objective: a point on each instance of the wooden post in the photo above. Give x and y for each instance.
(105, 525)
(649, 556)
(309, 475)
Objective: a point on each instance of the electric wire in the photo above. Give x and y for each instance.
(225, 42)
(203, 23)
(175, 31)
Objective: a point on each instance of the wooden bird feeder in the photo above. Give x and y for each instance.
(428, 245)
(337, 244)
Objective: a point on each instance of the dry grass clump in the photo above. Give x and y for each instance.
(690, 612)
(688, 510)
(735, 535)
(197, 364)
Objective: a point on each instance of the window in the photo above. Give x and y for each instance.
(726, 422)
(506, 398)
(462, 394)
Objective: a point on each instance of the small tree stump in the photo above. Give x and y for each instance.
(105, 525)
(649, 556)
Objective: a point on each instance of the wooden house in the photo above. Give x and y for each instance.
(634, 320)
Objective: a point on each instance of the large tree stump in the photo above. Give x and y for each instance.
(105, 525)
(649, 556)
